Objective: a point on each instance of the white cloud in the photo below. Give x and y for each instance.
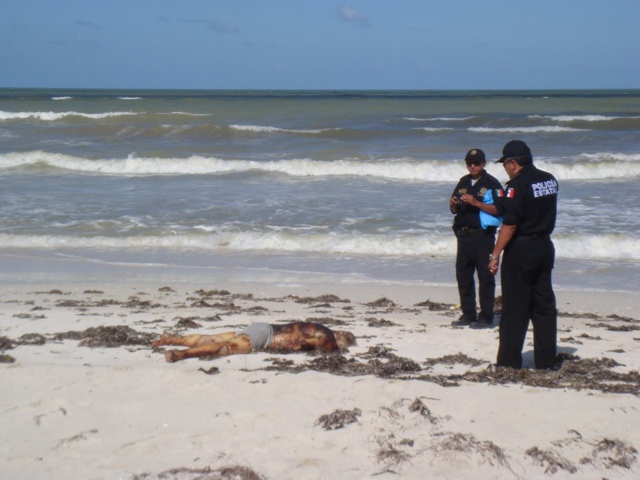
(347, 13)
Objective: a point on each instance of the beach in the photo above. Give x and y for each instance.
(85, 396)
(125, 214)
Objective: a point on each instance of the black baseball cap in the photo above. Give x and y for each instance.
(516, 149)
(475, 154)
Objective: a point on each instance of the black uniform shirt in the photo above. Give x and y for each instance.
(467, 215)
(530, 202)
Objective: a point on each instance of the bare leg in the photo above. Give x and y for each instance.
(194, 340)
(235, 345)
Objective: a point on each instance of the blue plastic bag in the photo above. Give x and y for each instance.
(486, 219)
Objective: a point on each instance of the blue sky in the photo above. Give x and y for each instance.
(320, 44)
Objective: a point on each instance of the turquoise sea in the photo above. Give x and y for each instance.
(296, 185)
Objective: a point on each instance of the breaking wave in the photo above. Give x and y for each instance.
(597, 247)
(584, 167)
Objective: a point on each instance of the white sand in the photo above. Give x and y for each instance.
(70, 411)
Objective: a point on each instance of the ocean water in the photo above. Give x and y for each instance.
(299, 185)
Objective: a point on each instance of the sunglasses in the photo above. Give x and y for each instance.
(473, 162)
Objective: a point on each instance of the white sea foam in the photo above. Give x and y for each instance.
(590, 171)
(583, 118)
(129, 98)
(61, 98)
(580, 247)
(53, 116)
(268, 129)
(605, 247)
(437, 119)
(392, 169)
(540, 129)
(433, 129)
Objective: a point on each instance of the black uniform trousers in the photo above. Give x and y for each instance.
(473, 256)
(527, 294)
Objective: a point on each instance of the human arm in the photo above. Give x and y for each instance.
(474, 202)
(504, 237)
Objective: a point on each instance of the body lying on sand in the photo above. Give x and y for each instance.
(295, 336)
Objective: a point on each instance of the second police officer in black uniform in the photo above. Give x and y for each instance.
(530, 206)
(475, 243)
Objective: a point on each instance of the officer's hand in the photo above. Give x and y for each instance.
(493, 267)
(469, 199)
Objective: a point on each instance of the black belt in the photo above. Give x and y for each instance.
(468, 231)
(535, 236)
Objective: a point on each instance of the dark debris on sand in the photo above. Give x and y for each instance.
(329, 298)
(434, 306)
(607, 453)
(572, 372)
(114, 336)
(380, 362)
(6, 343)
(235, 472)
(338, 419)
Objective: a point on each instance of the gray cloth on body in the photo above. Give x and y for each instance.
(260, 335)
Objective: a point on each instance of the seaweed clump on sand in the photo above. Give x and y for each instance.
(339, 419)
(570, 372)
(435, 306)
(380, 361)
(6, 343)
(327, 298)
(113, 336)
(607, 453)
(235, 472)
(4, 358)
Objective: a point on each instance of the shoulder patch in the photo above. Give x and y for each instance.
(511, 192)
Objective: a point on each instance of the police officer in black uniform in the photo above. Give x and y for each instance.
(474, 242)
(530, 206)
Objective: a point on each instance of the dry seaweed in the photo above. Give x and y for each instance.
(458, 358)
(389, 453)
(213, 293)
(338, 419)
(383, 302)
(613, 453)
(376, 323)
(434, 306)
(6, 343)
(551, 460)
(114, 336)
(29, 316)
(32, 339)
(326, 321)
(210, 371)
(572, 372)
(418, 406)
(6, 358)
(329, 298)
(380, 363)
(187, 323)
(459, 442)
(235, 472)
